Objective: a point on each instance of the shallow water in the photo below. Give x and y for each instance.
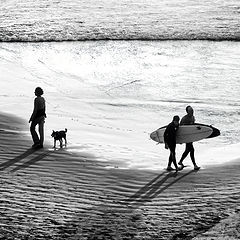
(112, 94)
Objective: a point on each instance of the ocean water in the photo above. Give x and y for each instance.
(144, 68)
(44, 20)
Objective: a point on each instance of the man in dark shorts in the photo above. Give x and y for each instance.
(170, 142)
(188, 120)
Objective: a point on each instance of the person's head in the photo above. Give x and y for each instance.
(189, 110)
(176, 120)
(38, 91)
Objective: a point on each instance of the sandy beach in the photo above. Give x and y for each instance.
(56, 194)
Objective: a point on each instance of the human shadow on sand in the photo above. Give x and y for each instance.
(22, 156)
(154, 188)
(16, 159)
(32, 161)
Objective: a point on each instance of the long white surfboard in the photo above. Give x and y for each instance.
(187, 133)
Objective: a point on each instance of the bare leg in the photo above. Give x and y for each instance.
(184, 155)
(193, 157)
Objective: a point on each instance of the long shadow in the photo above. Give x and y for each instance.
(147, 188)
(153, 189)
(32, 161)
(155, 192)
(17, 159)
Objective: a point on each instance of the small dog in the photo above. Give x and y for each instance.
(59, 135)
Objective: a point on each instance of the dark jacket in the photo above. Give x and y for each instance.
(39, 108)
(170, 134)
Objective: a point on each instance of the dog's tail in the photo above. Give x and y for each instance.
(65, 130)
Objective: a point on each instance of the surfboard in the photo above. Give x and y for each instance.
(187, 133)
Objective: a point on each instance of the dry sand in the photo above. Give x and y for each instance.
(54, 194)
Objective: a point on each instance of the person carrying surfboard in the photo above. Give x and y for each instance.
(188, 119)
(170, 142)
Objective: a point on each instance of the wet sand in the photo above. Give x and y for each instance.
(55, 194)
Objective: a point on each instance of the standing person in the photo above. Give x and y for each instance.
(170, 142)
(38, 118)
(188, 120)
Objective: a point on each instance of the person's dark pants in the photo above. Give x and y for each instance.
(172, 156)
(40, 122)
(189, 149)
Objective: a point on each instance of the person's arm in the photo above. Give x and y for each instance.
(165, 136)
(34, 110)
(193, 119)
(182, 122)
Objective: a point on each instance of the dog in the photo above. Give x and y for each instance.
(59, 135)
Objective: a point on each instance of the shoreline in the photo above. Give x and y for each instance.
(56, 194)
(112, 116)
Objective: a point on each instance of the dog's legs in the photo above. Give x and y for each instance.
(60, 143)
(54, 144)
(65, 141)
